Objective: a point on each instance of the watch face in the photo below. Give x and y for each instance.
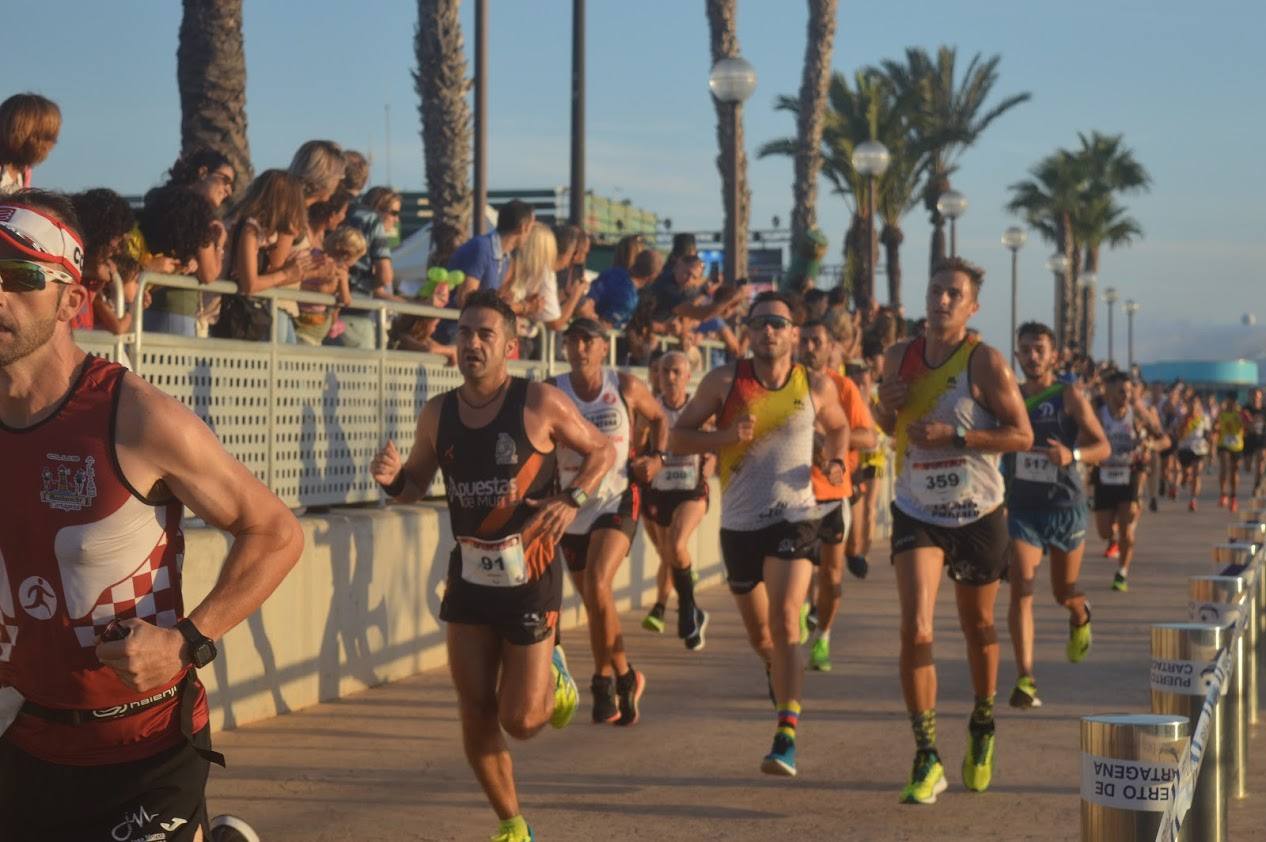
(203, 654)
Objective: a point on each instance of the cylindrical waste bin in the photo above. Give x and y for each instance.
(1128, 765)
(1184, 667)
(1224, 600)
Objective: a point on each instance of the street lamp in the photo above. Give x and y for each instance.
(952, 204)
(1131, 307)
(732, 80)
(1110, 298)
(1086, 283)
(871, 159)
(1059, 264)
(1013, 238)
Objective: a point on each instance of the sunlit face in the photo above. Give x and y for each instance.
(29, 319)
(773, 336)
(584, 352)
(216, 185)
(439, 298)
(815, 347)
(951, 300)
(484, 341)
(674, 375)
(1036, 355)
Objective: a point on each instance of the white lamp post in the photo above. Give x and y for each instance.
(1059, 264)
(1013, 238)
(1131, 307)
(1110, 298)
(952, 205)
(732, 81)
(870, 159)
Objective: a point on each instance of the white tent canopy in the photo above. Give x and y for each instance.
(408, 260)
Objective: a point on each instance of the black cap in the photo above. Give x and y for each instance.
(585, 327)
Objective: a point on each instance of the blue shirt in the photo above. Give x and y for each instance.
(615, 296)
(365, 220)
(481, 257)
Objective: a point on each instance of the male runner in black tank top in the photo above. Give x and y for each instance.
(495, 439)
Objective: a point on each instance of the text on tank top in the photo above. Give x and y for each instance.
(679, 473)
(608, 412)
(488, 471)
(1033, 479)
(80, 548)
(767, 480)
(944, 486)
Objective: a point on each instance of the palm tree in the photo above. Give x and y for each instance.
(1100, 221)
(211, 76)
(819, 42)
(723, 38)
(952, 115)
(441, 84)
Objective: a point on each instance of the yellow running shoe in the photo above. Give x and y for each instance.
(513, 830)
(978, 763)
(927, 779)
(566, 696)
(1079, 638)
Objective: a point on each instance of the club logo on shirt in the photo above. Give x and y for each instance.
(506, 452)
(1046, 409)
(37, 598)
(67, 485)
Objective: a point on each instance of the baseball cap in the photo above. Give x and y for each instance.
(584, 326)
(40, 237)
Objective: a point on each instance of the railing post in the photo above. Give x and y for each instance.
(1223, 600)
(273, 311)
(382, 377)
(138, 322)
(1243, 557)
(120, 306)
(1118, 751)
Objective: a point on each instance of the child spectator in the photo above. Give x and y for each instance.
(29, 126)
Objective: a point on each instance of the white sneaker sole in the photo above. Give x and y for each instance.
(234, 823)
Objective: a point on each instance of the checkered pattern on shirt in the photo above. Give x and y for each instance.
(148, 594)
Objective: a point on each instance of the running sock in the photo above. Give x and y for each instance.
(923, 724)
(982, 715)
(515, 826)
(788, 719)
(821, 634)
(684, 584)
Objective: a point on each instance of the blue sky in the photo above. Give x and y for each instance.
(1180, 80)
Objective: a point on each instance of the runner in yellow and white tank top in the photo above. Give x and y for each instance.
(952, 405)
(1231, 429)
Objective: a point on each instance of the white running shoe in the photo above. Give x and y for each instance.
(228, 828)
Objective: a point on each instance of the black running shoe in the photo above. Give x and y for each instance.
(228, 828)
(858, 566)
(694, 639)
(628, 689)
(604, 709)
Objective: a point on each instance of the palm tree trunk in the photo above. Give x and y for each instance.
(441, 84)
(211, 76)
(892, 239)
(723, 35)
(1089, 300)
(937, 184)
(855, 265)
(819, 43)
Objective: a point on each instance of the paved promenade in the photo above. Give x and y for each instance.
(387, 764)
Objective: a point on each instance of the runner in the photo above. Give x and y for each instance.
(1118, 480)
(1192, 430)
(765, 409)
(1169, 411)
(952, 405)
(1255, 438)
(600, 536)
(496, 439)
(834, 501)
(676, 502)
(1231, 428)
(866, 374)
(112, 740)
(1046, 503)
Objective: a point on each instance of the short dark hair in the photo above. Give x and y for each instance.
(1036, 329)
(957, 264)
(176, 222)
(490, 299)
(103, 216)
(815, 295)
(772, 296)
(814, 323)
(683, 243)
(1114, 377)
(512, 215)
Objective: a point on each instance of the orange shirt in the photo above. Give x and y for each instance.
(859, 418)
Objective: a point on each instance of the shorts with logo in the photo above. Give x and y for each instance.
(522, 615)
(1108, 497)
(160, 798)
(975, 553)
(744, 550)
(1060, 527)
(660, 506)
(575, 548)
(835, 523)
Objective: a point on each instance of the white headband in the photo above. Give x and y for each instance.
(40, 237)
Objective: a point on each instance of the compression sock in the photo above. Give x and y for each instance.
(684, 584)
(788, 718)
(982, 715)
(923, 724)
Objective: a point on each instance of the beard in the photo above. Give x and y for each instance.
(27, 340)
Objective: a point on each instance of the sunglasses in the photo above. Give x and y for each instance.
(775, 322)
(28, 276)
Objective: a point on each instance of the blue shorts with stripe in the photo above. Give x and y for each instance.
(1062, 528)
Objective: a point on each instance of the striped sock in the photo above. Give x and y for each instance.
(788, 719)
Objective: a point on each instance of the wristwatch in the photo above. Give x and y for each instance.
(1076, 454)
(202, 649)
(960, 437)
(576, 497)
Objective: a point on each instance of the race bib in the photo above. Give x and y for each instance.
(495, 564)
(1035, 467)
(940, 483)
(678, 474)
(1114, 474)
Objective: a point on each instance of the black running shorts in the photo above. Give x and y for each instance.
(161, 797)
(522, 616)
(1187, 458)
(975, 553)
(1108, 497)
(575, 548)
(832, 529)
(744, 551)
(660, 506)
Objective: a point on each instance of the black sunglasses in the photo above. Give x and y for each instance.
(762, 322)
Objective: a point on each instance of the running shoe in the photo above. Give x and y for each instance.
(1222, 501)
(1025, 693)
(512, 831)
(1079, 638)
(1235, 505)
(1113, 550)
(1152, 506)
(812, 620)
(654, 621)
(566, 696)
(857, 565)
(1191, 506)
(226, 828)
(604, 708)
(781, 759)
(927, 779)
(978, 763)
(820, 657)
(694, 639)
(1119, 583)
(629, 689)
(804, 623)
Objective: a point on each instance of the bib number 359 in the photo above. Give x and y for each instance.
(940, 482)
(497, 564)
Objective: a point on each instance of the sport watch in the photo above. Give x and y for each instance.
(577, 497)
(960, 437)
(202, 649)
(1076, 454)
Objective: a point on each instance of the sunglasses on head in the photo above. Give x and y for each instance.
(27, 276)
(762, 322)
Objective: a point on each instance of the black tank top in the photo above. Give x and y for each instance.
(489, 470)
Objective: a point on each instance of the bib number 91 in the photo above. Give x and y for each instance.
(496, 564)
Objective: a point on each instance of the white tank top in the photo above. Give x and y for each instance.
(679, 473)
(948, 486)
(1122, 435)
(609, 414)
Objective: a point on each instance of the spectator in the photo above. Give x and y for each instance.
(355, 173)
(816, 302)
(319, 165)
(29, 126)
(376, 215)
(105, 220)
(679, 296)
(556, 309)
(720, 329)
(207, 172)
(684, 245)
(806, 263)
(418, 333)
(615, 290)
(533, 266)
(177, 235)
(343, 246)
(486, 258)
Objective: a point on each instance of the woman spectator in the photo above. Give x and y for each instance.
(377, 217)
(531, 268)
(176, 234)
(105, 220)
(614, 292)
(561, 298)
(343, 246)
(207, 172)
(29, 126)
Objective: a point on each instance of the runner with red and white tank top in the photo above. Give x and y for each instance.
(97, 652)
(601, 535)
